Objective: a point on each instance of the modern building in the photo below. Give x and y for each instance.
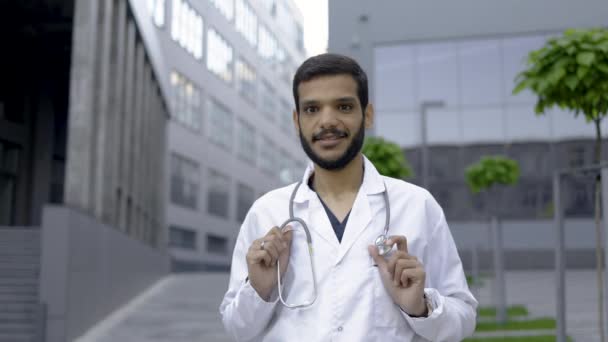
(83, 119)
(228, 65)
(442, 75)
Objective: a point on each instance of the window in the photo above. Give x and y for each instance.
(267, 157)
(9, 166)
(157, 11)
(268, 105)
(219, 56)
(187, 28)
(220, 124)
(182, 237)
(576, 156)
(217, 244)
(245, 78)
(247, 22)
(286, 117)
(284, 167)
(226, 7)
(186, 101)
(184, 181)
(267, 45)
(218, 196)
(246, 196)
(300, 37)
(247, 146)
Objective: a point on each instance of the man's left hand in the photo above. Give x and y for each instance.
(403, 277)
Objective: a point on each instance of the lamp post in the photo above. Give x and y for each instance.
(424, 106)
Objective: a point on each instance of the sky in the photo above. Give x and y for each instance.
(315, 25)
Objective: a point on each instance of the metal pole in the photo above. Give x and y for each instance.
(559, 260)
(424, 106)
(425, 147)
(605, 221)
(499, 272)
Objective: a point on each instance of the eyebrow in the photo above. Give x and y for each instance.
(341, 99)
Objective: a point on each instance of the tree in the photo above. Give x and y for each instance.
(571, 72)
(387, 157)
(487, 175)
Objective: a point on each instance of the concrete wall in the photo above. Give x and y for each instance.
(89, 269)
(527, 244)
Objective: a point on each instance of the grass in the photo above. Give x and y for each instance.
(542, 338)
(512, 311)
(533, 324)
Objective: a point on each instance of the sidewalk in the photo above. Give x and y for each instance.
(180, 308)
(184, 307)
(536, 290)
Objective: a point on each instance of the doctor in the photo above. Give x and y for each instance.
(418, 292)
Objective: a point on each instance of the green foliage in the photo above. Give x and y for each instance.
(512, 311)
(387, 157)
(490, 171)
(532, 324)
(571, 72)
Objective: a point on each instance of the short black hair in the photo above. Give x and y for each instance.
(328, 64)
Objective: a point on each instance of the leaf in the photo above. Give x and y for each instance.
(571, 82)
(582, 71)
(585, 58)
(602, 67)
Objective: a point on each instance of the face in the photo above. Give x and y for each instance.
(331, 122)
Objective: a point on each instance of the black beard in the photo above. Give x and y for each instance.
(338, 164)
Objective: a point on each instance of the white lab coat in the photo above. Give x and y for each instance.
(352, 304)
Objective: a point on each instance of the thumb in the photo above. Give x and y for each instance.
(288, 235)
(378, 259)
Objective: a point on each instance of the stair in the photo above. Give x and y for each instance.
(19, 279)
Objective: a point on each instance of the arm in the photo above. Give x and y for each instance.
(454, 313)
(244, 313)
(251, 298)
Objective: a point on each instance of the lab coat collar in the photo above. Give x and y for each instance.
(372, 182)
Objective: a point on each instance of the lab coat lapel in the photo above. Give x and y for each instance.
(313, 212)
(361, 213)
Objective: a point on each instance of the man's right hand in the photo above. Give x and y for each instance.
(262, 260)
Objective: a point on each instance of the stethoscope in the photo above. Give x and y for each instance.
(380, 243)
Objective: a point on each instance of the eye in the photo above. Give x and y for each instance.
(311, 109)
(345, 107)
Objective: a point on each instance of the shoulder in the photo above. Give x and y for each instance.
(407, 196)
(273, 200)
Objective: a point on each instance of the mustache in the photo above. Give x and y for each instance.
(329, 131)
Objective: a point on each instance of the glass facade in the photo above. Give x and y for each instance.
(247, 147)
(184, 181)
(246, 197)
(219, 56)
(268, 104)
(246, 80)
(220, 124)
(187, 28)
(182, 237)
(219, 194)
(268, 155)
(157, 11)
(186, 101)
(246, 22)
(226, 7)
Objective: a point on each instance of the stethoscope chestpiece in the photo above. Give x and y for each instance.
(383, 247)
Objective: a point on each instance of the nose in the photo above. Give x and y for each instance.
(327, 117)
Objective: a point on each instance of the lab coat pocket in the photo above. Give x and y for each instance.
(386, 312)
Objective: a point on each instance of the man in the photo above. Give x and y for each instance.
(418, 292)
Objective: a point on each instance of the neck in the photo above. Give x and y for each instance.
(339, 182)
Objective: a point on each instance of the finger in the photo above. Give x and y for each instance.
(405, 278)
(378, 259)
(275, 232)
(401, 242)
(272, 249)
(260, 257)
(403, 264)
(392, 261)
(288, 237)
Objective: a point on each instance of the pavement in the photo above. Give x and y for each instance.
(184, 307)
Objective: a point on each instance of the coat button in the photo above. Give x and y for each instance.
(340, 329)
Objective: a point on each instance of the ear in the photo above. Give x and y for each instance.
(369, 116)
(296, 123)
